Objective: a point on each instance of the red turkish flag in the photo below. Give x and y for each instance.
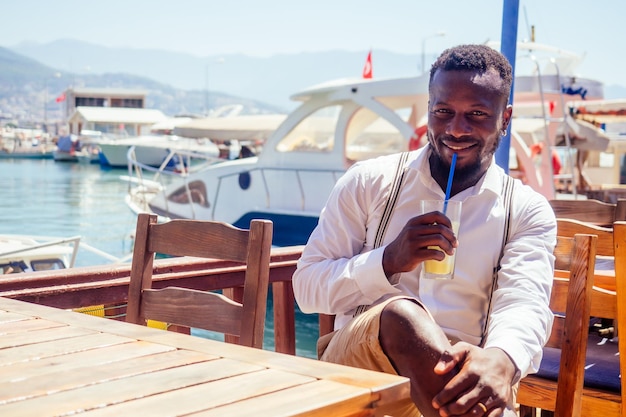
(60, 98)
(367, 69)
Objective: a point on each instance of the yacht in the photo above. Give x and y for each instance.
(344, 121)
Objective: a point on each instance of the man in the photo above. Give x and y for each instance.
(465, 342)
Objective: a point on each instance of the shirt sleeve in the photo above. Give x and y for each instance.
(338, 271)
(521, 319)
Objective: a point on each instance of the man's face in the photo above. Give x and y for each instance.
(467, 114)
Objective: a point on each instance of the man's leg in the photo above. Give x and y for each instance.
(357, 344)
(413, 342)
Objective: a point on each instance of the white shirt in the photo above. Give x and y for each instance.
(339, 269)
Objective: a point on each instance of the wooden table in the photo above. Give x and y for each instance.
(54, 362)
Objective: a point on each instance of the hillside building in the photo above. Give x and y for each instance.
(115, 111)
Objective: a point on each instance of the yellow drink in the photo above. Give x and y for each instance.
(441, 269)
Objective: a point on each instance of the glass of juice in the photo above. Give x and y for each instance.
(432, 269)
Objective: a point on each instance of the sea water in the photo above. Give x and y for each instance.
(60, 199)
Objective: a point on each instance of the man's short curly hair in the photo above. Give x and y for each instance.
(478, 58)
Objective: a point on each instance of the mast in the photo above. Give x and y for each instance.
(508, 47)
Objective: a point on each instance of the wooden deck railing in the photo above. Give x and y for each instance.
(108, 285)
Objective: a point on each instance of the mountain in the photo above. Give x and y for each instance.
(271, 80)
(16, 67)
(179, 83)
(28, 90)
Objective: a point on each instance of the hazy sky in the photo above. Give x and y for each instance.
(270, 27)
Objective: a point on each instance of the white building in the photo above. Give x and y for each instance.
(114, 121)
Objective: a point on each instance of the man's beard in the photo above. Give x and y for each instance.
(465, 171)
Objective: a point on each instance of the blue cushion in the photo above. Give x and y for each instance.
(601, 365)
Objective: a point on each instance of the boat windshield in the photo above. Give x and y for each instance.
(314, 133)
(16, 267)
(369, 135)
(47, 264)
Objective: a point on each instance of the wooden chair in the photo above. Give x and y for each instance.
(604, 391)
(619, 240)
(201, 309)
(569, 332)
(605, 251)
(590, 211)
(572, 295)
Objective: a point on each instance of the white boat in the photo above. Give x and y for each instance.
(344, 121)
(26, 253)
(548, 95)
(20, 253)
(337, 124)
(87, 154)
(17, 143)
(70, 148)
(151, 149)
(82, 148)
(255, 127)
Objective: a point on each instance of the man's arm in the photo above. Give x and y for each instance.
(521, 319)
(338, 271)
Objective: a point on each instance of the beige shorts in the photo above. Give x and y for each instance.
(356, 344)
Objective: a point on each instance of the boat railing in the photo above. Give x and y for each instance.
(548, 119)
(268, 193)
(46, 241)
(145, 181)
(551, 84)
(106, 255)
(75, 242)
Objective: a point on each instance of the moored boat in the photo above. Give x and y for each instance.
(344, 121)
(26, 253)
(337, 124)
(151, 150)
(21, 253)
(25, 144)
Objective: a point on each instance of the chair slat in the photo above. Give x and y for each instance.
(243, 317)
(606, 304)
(590, 211)
(571, 302)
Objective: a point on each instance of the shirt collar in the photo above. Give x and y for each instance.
(492, 181)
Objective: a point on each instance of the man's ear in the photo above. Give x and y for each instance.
(506, 116)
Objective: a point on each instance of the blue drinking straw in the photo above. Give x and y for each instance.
(449, 186)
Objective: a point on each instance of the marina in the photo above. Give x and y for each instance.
(45, 198)
(88, 329)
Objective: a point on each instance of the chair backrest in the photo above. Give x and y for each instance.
(192, 307)
(590, 211)
(619, 238)
(608, 302)
(604, 249)
(570, 227)
(570, 331)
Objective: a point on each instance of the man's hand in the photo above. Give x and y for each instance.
(482, 386)
(410, 248)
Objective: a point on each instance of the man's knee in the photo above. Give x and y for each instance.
(400, 322)
(402, 313)
(402, 306)
(405, 325)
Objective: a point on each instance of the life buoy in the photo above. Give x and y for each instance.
(416, 140)
(537, 148)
